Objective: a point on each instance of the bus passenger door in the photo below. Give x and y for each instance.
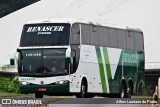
(72, 73)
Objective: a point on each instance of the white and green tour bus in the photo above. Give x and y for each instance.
(81, 58)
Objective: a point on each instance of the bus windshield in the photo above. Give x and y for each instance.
(45, 34)
(42, 62)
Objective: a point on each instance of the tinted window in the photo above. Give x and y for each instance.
(85, 32)
(42, 62)
(30, 61)
(138, 41)
(45, 34)
(53, 61)
(121, 39)
(104, 36)
(94, 35)
(75, 35)
(113, 39)
(130, 40)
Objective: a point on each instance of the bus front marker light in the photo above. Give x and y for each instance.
(61, 82)
(24, 83)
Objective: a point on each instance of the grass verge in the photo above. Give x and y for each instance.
(14, 95)
(142, 97)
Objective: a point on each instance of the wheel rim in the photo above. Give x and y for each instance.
(129, 92)
(83, 90)
(122, 93)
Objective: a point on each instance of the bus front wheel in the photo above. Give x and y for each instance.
(38, 95)
(83, 91)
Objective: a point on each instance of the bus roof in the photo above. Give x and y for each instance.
(94, 22)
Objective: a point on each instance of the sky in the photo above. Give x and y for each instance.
(143, 14)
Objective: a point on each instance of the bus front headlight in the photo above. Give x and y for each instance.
(62, 82)
(23, 83)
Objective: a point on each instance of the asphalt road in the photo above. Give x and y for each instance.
(95, 102)
(54, 101)
(98, 105)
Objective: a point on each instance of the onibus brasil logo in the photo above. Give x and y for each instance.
(21, 102)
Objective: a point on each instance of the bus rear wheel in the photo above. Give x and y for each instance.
(129, 91)
(38, 95)
(123, 91)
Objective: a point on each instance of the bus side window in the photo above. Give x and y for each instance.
(113, 39)
(138, 41)
(86, 37)
(121, 39)
(75, 34)
(94, 35)
(130, 40)
(104, 40)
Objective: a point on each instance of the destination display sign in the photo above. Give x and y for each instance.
(45, 34)
(45, 29)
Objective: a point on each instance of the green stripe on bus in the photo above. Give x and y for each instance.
(101, 70)
(136, 82)
(108, 69)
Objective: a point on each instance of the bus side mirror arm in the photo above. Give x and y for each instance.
(18, 50)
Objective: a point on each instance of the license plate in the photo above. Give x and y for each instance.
(41, 89)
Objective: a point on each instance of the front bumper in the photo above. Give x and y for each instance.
(50, 89)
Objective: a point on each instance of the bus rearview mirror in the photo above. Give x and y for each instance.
(12, 62)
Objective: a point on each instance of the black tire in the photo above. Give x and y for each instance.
(38, 95)
(140, 89)
(83, 93)
(90, 95)
(129, 91)
(123, 91)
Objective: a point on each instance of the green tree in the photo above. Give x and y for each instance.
(9, 6)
